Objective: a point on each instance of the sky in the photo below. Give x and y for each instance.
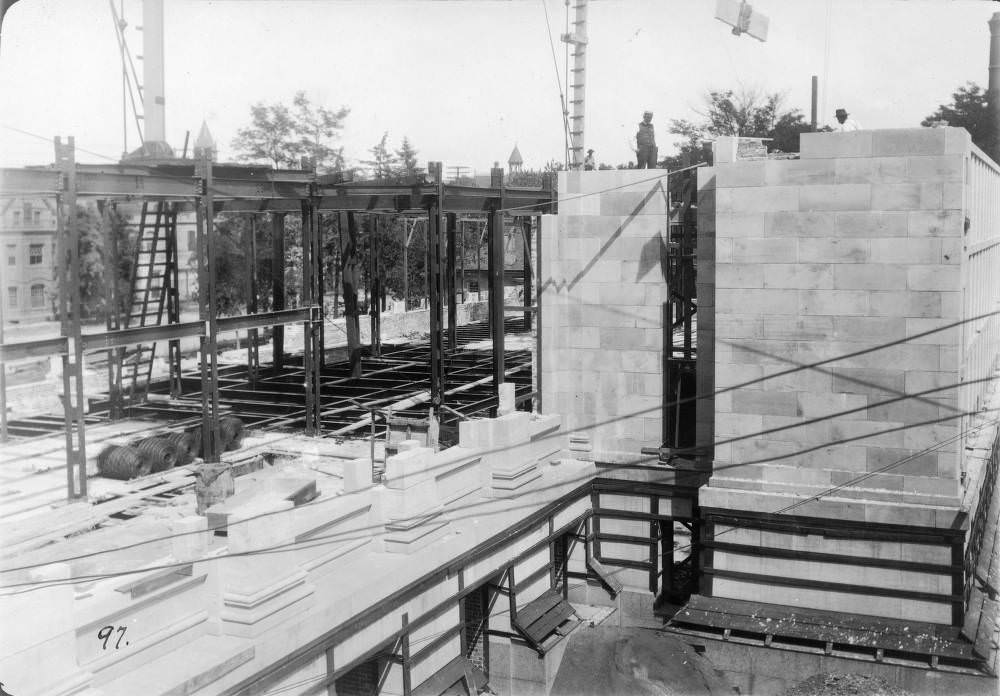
(466, 80)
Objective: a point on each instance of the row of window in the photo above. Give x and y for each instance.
(31, 217)
(37, 297)
(34, 254)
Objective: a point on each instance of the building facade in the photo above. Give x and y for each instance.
(28, 235)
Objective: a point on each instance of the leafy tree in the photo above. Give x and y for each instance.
(969, 109)
(97, 273)
(283, 135)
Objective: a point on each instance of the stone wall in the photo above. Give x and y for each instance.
(602, 294)
(833, 275)
(830, 348)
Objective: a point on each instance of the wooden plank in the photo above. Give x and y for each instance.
(537, 608)
(548, 623)
(457, 670)
(613, 583)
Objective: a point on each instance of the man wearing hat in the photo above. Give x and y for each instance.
(845, 124)
(588, 161)
(645, 142)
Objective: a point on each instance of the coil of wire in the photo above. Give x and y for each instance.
(123, 463)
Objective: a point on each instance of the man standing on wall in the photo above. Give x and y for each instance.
(845, 124)
(645, 142)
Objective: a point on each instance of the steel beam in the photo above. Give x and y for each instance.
(22, 350)
(275, 319)
(141, 334)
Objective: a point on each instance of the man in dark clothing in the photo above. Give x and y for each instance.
(588, 161)
(645, 142)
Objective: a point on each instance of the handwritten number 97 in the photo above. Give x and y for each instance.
(106, 633)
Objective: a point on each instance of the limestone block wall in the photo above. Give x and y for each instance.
(602, 293)
(836, 358)
(835, 276)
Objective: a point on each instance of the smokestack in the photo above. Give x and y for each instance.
(815, 95)
(993, 93)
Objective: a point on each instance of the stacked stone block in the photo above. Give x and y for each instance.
(835, 276)
(602, 294)
(835, 368)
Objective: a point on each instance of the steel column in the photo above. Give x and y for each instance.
(435, 289)
(496, 264)
(350, 274)
(375, 282)
(250, 246)
(526, 269)
(208, 312)
(278, 289)
(112, 320)
(310, 335)
(451, 220)
(69, 311)
(173, 299)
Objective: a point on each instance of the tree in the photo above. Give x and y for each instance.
(97, 273)
(283, 135)
(383, 161)
(969, 109)
(406, 156)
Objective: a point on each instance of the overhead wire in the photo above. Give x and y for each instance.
(643, 411)
(562, 95)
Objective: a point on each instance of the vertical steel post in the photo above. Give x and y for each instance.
(112, 320)
(278, 289)
(350, 275)
(172, 298)
(496, 264)
(435, 288)
(461, 235)
(69, 306)
(450, 224)
(375, 308)
(815, 98)
(250, 247)
(526, 270)
(406, 268)
(311, 271)
(208, 313)
(405, 650)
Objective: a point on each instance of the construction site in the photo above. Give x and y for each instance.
(711, 430)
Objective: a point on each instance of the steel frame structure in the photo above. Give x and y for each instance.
(208, 189)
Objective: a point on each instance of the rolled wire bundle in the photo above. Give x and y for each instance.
(186, 446)
(230, 433)
(162, 455)
(123, 463)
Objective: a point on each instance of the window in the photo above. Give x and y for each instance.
(12, 297)
(11, 254)
(17, 217)
(35, 254)
(37, 296)
(473, 286)
(37, 217)
(27, 212)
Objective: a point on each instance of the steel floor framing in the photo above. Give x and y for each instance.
(400, 373)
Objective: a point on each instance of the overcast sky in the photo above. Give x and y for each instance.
(467, 79)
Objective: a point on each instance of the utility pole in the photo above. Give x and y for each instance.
(577, 38)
